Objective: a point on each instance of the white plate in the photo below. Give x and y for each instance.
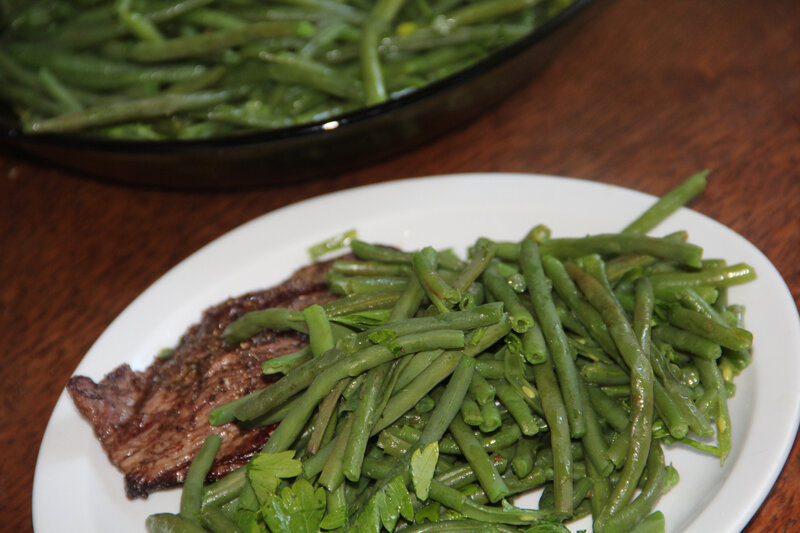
(76, 489)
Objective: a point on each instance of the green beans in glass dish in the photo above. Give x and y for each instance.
(193, 69)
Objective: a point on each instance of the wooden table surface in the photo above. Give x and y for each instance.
(649, 92)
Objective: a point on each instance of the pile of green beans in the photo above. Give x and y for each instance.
(190, 69)
(567, 368)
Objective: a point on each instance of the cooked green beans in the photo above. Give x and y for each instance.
(430, 405)
(187, 69)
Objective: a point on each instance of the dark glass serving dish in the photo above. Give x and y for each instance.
(310, 150)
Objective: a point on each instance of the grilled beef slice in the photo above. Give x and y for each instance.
(151, 423)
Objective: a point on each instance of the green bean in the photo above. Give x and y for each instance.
(625, 520)
(292, 68)
(481, 390)
(587, 315)
(85, 32)
(555, 412)
(491, 418)
(374, 252)
(485, 315)
(668, 203)
(264, 400)
(462, 475)
(519, 409)
(284, 363)
(604, 374)
(449, 263)
(694, 417)
(324, 416)
(454, 526)
(192, 493)
(521, 318)
(225, 489)
(588, 349)
(554, 335)
(350, 285)
(653, 523)
(59, 91)
(171, 523)
(738, 359)
(712, 380)
(443, 414)
(331, 8)
(153, 107)
(594, 442)
(479, 12)
(396, 442)
(716, 312)
(687, 341)
(408, 396)
(481, 255)
(460, 503)
(332, 475)
(601, 487)
(314, 464)
(644, 306)
(416, 365)
(617, 391)
(700, 324)
(669, 411)
(484, 468)
(595, 265)
(434, 284)
(715, 277)
(573, 248)
(382, 14)
(369, 268)
(501, 439)
(490, 369)
(215, 19)
(524, 453)
(409, 301)
(533, 346)
(641, 399)
(215, 519)
(321, 385)
(514, 367)
(361, 302)
(364, 418)
(327, 36)
(618, 266)
(608, 409)
(482, 338)
(201, 44)
(96, 72)
(471, 411)
(141, 27)
(255, 321)
(320, 335)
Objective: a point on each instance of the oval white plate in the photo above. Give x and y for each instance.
(76, 489)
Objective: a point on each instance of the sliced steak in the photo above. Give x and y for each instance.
(151, 423)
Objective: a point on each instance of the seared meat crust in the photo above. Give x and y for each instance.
(151, 423)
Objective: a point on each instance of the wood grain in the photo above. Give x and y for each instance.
(648, 93)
